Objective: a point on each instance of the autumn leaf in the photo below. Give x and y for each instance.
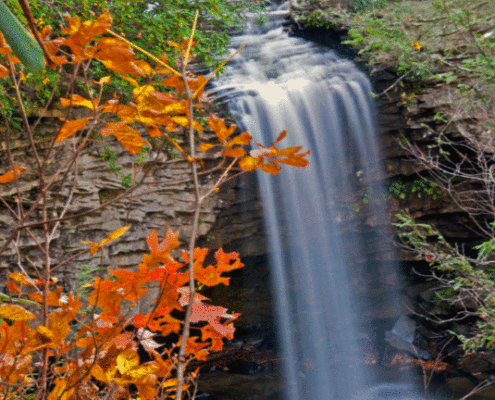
(60, 391)
(219, 127)
(71, 127)
(250, 163)
(15, 312)
(3, 71)
(12, 174)
(209, 313)
(153, 131)
(236, 152)
(114, 235)
(212, 274)
(206, 146)
(160, 252)
(77, 100)
(242, 139)
(127, 136)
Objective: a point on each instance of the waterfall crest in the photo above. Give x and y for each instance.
(280, 82)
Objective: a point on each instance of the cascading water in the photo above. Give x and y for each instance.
(323, 101)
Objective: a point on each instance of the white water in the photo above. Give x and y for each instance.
(323, 101)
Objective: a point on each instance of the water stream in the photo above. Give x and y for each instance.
(321, 277)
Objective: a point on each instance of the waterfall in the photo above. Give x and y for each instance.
(280, 82)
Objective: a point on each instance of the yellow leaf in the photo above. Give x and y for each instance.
(130, 80)
(77, 100)
(45, 333)
(15, 312)
(59, 392)
(102, 81)
(127, 360)
(114, 235)
(249, 163)
(12, 174)
(184, 121)
(71, 127)
(98, 373)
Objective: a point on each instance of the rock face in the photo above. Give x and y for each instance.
(165, 200)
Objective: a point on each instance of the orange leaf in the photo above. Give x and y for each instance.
(219, 127)
(127, 136)
(130, 80)
(206, 146)
(282, 135)
(71, 127)
(271, 168)
(134, 67)
(236, 152)
(94, 246)
(3, 71)
(15, 312)
(12, 174)
(13, 288)
(211, 275)
(242, 139)
(153, 131)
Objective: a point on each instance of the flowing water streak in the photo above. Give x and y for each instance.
(323, 101)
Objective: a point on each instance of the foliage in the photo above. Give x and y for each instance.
(417, 187)
(60, 345)
(467, 283)
(151, 25)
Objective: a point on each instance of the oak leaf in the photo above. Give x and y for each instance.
(209, 313)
